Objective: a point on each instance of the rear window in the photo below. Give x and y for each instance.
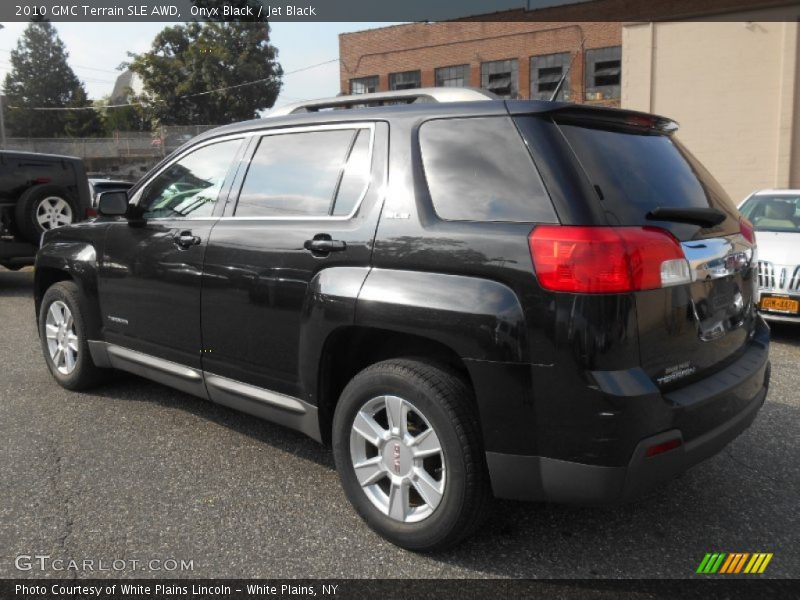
(478, 169)
(634, 172)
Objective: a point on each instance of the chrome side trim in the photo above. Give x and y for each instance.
(714, 258)
(264, 404)
(262, 131)
(255, 393)
(152, 362)
(370, 126)
(169, 373)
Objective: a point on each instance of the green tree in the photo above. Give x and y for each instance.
(41, 77)
(85, 122)
(188, 63)
(121, 118)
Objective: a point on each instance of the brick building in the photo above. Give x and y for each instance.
(729, 73)
(518, 53)
(512, 59)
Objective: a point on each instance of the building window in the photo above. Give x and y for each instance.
(364, 85)
(408, 80)
(603, 73)
(501, 77)
(546, 72)
(456, 76)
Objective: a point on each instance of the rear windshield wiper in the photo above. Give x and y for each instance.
(705, 217)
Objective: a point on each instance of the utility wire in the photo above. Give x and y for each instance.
(205, 93)
(74, 66)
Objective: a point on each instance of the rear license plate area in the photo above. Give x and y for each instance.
(779, 304)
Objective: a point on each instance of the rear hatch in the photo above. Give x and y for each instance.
(700, 316)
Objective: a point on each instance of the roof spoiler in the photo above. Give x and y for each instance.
(600, 115)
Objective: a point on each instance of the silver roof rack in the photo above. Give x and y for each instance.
(436, 94)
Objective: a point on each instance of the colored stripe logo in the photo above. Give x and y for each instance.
(734, 563)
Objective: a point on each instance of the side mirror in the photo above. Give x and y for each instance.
(112, 204)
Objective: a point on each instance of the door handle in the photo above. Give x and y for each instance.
(324, 245)
(185, 239)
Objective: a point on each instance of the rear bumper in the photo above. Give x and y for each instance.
(550, 479)
(780, 318)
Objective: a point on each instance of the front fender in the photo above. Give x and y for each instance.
(76, 260)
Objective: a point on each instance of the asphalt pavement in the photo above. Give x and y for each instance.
(137, 472)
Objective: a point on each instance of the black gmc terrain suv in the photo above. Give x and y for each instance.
(464, 296)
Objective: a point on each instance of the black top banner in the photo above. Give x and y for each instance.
(378, 10)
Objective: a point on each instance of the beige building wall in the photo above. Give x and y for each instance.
(732, 86)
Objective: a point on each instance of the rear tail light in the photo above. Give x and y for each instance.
(747, 231)
(91, 213)
(597, 260)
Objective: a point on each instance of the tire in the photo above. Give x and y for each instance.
(448, 492)
(41, 208)
(62, 301)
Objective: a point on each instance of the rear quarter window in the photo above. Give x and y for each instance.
(478, 169)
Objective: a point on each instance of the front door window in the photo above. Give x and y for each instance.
(190, 186)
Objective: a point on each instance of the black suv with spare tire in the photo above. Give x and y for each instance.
(38, 192)
(464, 296)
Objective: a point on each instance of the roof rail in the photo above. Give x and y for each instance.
(436, 94)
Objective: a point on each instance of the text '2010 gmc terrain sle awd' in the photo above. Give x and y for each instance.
(464, 296)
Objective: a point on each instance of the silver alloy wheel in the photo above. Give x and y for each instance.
(62, 341)
(53, 212)
(398, 459)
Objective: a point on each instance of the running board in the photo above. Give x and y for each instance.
(265, 404)
(170, 368)
(169, 373)
(249, 392)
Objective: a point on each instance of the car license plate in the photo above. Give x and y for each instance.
(780, 304)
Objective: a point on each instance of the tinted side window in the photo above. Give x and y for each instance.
(479, 170)
(190, 186)
(298, 174)
(355, 178)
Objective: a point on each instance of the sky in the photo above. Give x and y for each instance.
(97, 49)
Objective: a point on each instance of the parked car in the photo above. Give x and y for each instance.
(775, 215)
(464, 296)
(100, 185)
(38, 192)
